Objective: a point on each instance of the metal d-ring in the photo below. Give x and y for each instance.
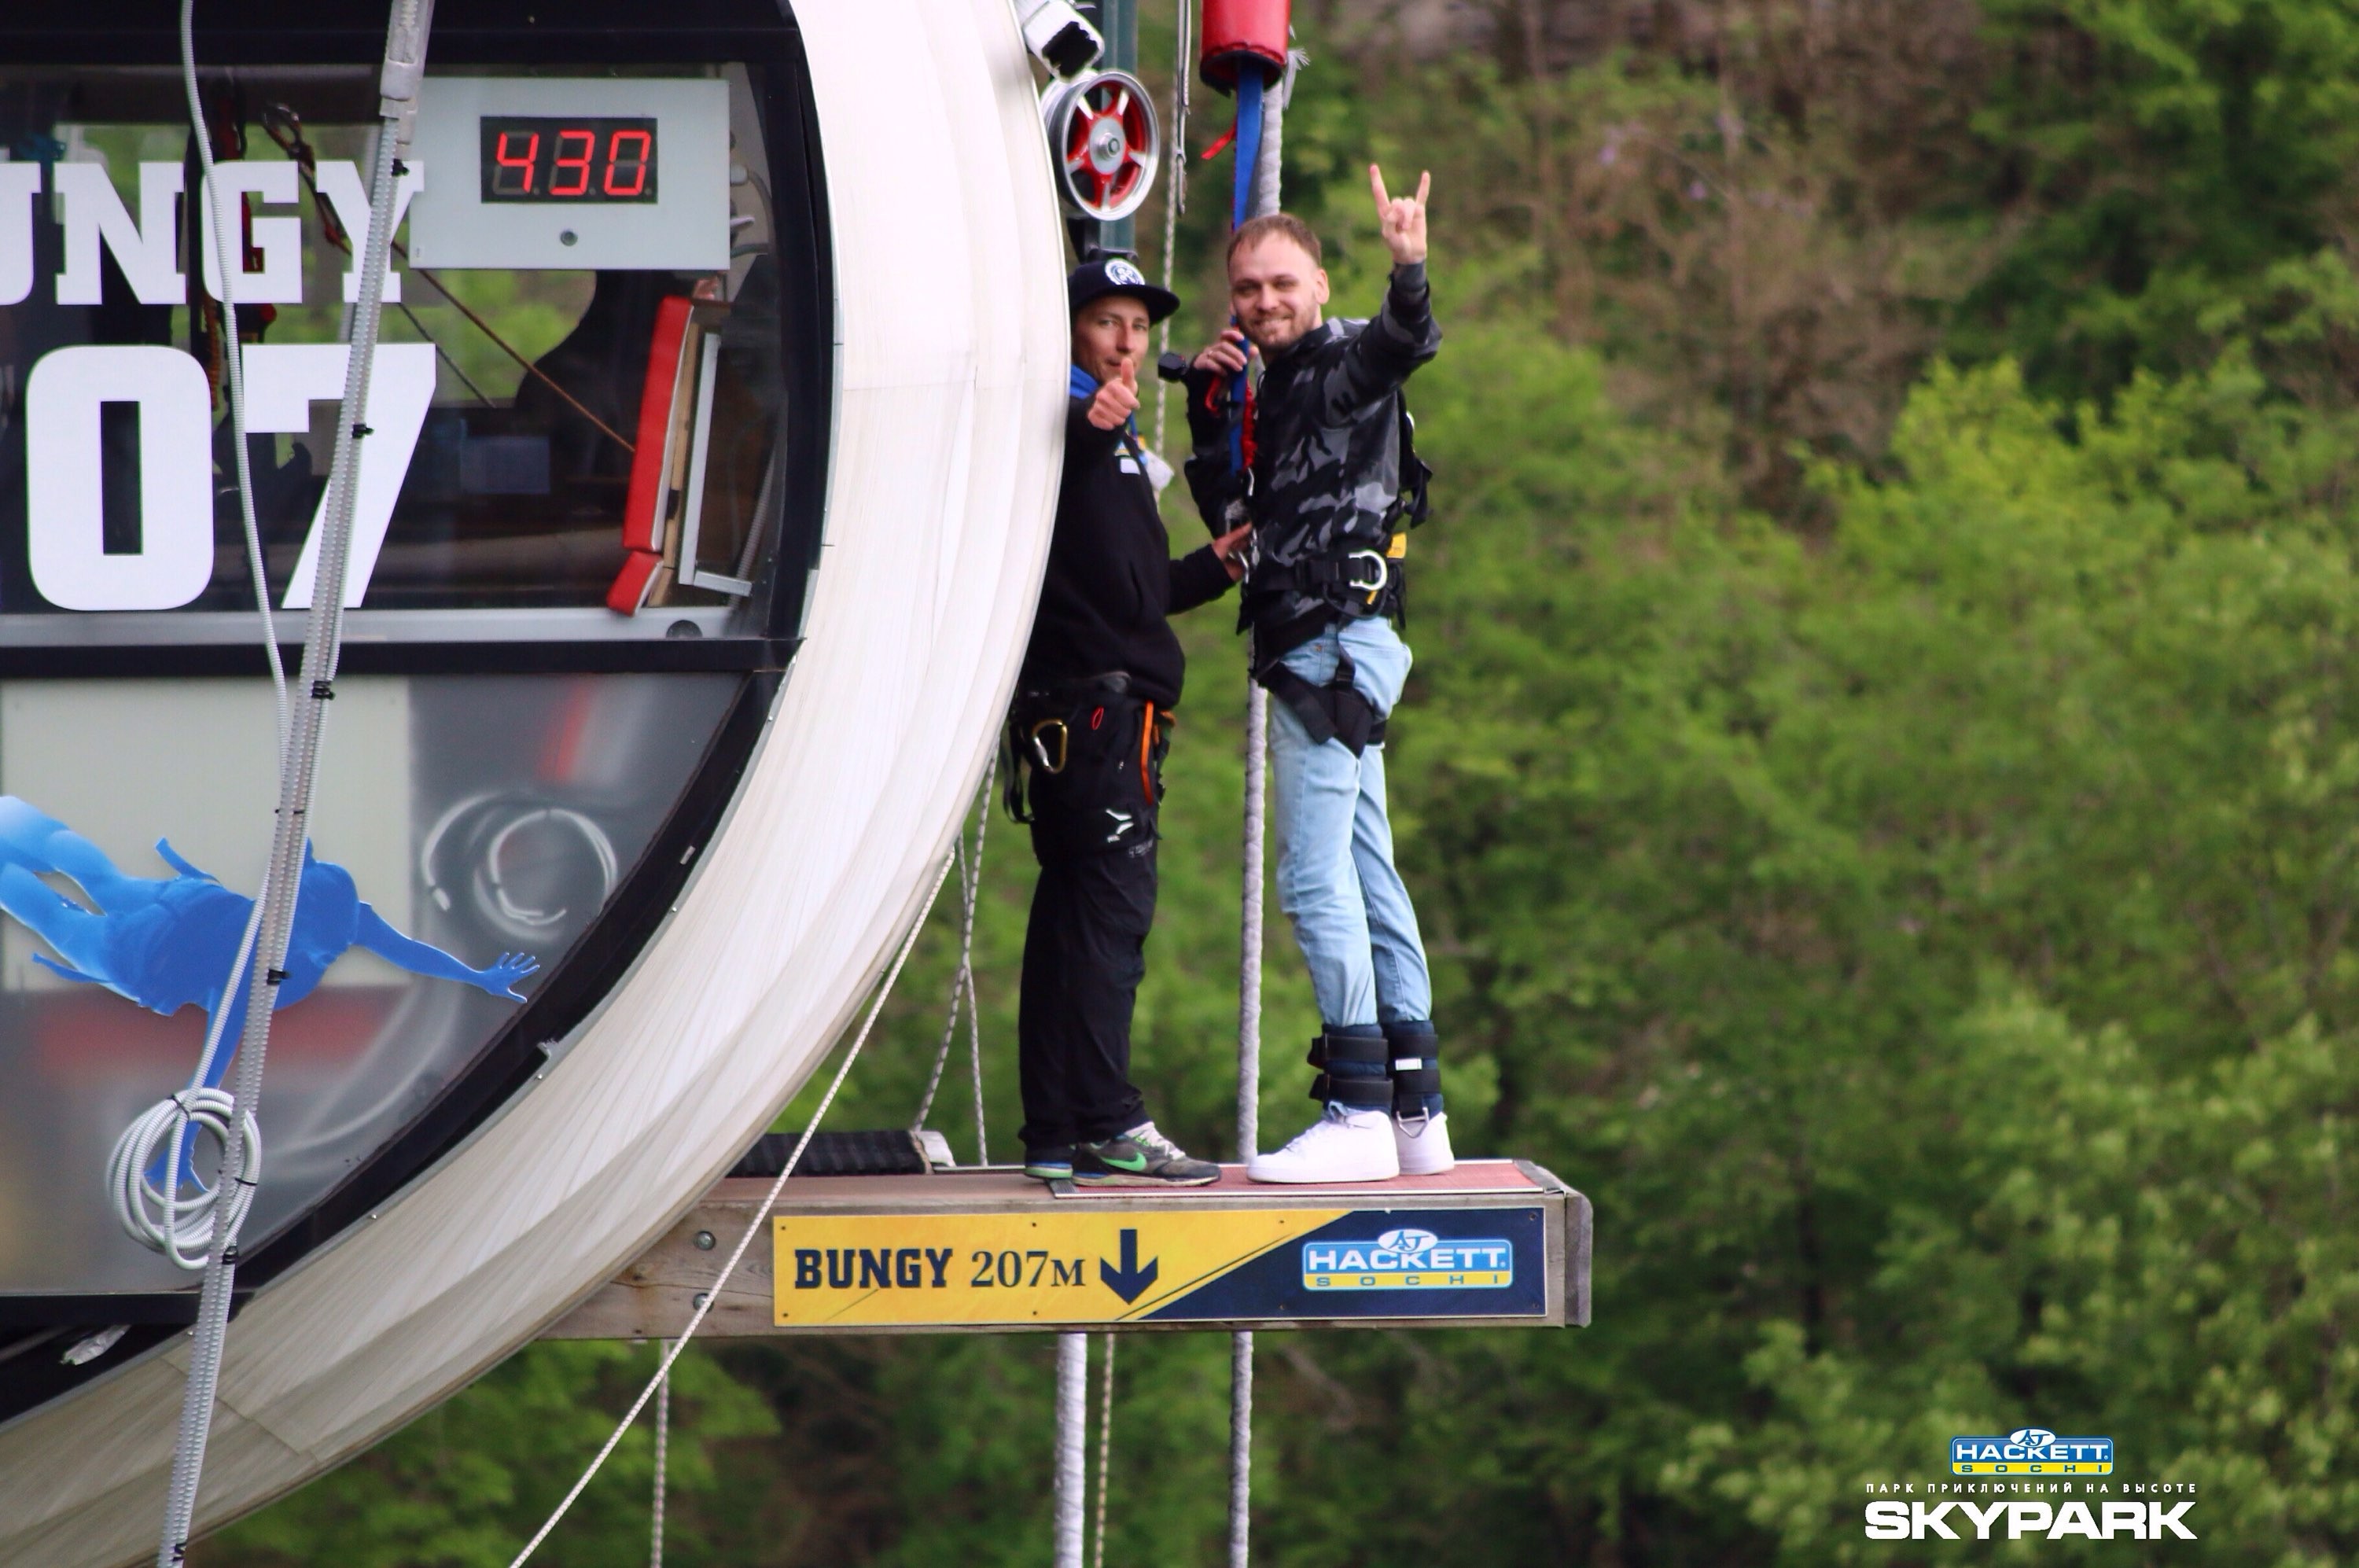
(1383, 571)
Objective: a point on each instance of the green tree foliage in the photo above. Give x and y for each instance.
(1883, 820)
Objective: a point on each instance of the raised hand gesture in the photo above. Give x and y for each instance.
(1401, 218)
(1117, 400)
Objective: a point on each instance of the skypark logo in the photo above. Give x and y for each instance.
(2031, 1450)
(2098, 1520)
(2038, 1484)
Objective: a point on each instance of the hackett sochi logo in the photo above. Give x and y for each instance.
(2030, 1460)
(1409, 1259)
(2031, 1450)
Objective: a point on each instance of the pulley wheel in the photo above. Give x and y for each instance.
(1103, 135)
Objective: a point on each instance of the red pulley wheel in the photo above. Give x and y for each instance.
(1103, 135)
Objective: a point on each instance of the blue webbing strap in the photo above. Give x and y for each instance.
(1247, 150)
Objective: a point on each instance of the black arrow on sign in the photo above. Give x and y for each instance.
(1129, 1281)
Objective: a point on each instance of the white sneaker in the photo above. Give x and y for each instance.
(1423, 1144)
(1342, 1146)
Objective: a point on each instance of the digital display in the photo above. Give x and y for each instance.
(568, 158)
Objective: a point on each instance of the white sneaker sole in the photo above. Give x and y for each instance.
(1276, 1174)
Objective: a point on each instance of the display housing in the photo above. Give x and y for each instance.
(588, 509)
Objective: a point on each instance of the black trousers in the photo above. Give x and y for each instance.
(1085, 954)
(1085, 947)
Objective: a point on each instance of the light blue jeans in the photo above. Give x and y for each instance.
(1335, 878)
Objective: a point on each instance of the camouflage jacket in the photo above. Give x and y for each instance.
(1326, 465)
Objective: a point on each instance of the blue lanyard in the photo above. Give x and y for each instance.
(1247, 152)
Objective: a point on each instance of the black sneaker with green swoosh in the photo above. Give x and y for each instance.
(1140, 1157)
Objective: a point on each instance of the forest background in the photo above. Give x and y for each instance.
(1881, 783)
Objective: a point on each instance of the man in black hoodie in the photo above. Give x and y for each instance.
(1090, 721)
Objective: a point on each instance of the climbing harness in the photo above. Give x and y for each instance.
(1103, 744)
(298, 736)
(1338, 710)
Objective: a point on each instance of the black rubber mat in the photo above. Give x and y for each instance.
(888, 1153)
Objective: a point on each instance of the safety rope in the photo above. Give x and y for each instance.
(1261, 119)
(160, 1219)
(407, 30)
(663, 1454)
(1106, 1341)
(1072, 1445)
(1175, 199)
(754, 1227)
(963, 982)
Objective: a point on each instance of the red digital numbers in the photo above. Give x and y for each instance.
(586, 160)
(512, 174)
(629, 150)
(569, 175)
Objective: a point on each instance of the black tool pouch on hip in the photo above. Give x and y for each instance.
(1086, 764)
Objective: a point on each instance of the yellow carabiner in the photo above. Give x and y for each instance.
(1041, 753)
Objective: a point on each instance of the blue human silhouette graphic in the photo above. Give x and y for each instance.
(165, 941)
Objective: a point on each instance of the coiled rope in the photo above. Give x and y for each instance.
(754, 1228)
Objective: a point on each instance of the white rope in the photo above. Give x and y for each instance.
(299, 741)
(663, 1453)
(1249, 938)
(1106, 1341)
(963, 982)
(1175, 197)
(754, 1228)
(159, 1218)
(1240, 1353)
(1072, 1444)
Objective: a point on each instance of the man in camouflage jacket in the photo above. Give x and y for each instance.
(1324, 447)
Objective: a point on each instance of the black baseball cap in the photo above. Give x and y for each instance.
(1116, 275)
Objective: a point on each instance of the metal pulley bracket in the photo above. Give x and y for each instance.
(1105, 140)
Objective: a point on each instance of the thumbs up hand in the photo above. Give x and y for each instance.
(1117, 400)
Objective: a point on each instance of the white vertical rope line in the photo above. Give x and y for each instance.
(754, 1228)
(1072, 1444)
(663, 1455)
(298, 746)
(1265, 201)
(1106, 1342)
(1175, 199)
(966, 961)
(962, 981)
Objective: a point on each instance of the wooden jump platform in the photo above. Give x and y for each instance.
(1495, 1242)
